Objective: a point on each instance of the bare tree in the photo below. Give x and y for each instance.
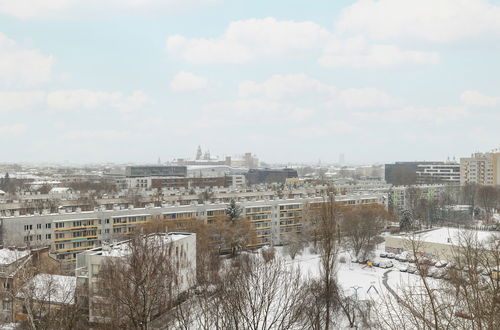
(361, 226)
(468, 194)
(140, 285)
(326, 219)
(488, 198)
(293, 244)
(252, 294)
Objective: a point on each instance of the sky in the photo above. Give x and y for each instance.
(291, 81)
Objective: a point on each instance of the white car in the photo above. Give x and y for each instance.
(441, 263)
(385, 264)
(391, 255)
(403, 268)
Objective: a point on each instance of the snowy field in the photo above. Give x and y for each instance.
(368, 280)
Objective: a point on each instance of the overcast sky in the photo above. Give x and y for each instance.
(292, 80)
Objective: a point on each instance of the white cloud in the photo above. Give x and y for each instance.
(10, 101)
(96, 134)
(19, 66)
(475, 98)
(186, 81)
(436, 115)
(26, 9)
(258, 110)
(326, 129)
(279, 87)
(247, 40)
(86, 99)
(10, 130)
(357, 52)
(366, 98)
(429, 20)
(285, 86)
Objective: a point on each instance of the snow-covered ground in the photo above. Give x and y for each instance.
(368, 280)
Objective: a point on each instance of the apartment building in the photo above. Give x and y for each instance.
(146, 171)
(407, 173)
(481, 168)
(15, 268)
(71, 233)
(447, 173)
(88, 263)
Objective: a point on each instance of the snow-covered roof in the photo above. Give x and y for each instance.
(2, 192)
(59, 190)
(121, 249)
(9, 256)
(54, 289)
(453, 235)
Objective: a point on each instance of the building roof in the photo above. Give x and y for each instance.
(453, 235)
(8, 256)
(54, 289)
(122, 249)
(59, 190)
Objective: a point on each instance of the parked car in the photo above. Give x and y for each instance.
(431, 271)
(354, 260)
(376, 263)
(412, 269)
(439, 273)
(391, 255)
(403, 268)
(402, 258)
(383, 255)
(441, 263)
(385, 264)
(411, 259)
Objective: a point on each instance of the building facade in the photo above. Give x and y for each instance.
(481, 168)
(71, 233)
(270, 175)
(147, 171)
(408, 173)
(183, 254)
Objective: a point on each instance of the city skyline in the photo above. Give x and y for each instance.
(131, 81)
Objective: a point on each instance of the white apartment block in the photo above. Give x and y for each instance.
(182, 250)
(439, 173)
(68, 234)
(480, 168)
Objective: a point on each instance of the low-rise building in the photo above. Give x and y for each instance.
(182, 247)
(439, 243)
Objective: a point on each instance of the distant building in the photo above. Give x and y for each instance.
(480, 168)
(407, 173)
(268, 175)
(146, 171)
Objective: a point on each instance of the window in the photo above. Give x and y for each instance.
(107, 220)
(48, 225)
(59, 224)
(96, 269)
(58, 235)
(7, 305)
(106, 231)
(59, 246)
(39, 237)
(48, 236)
(77, 244)
(28, 227)
(38, 226)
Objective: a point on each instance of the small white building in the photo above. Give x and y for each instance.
(88, 264)
(438, 243)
